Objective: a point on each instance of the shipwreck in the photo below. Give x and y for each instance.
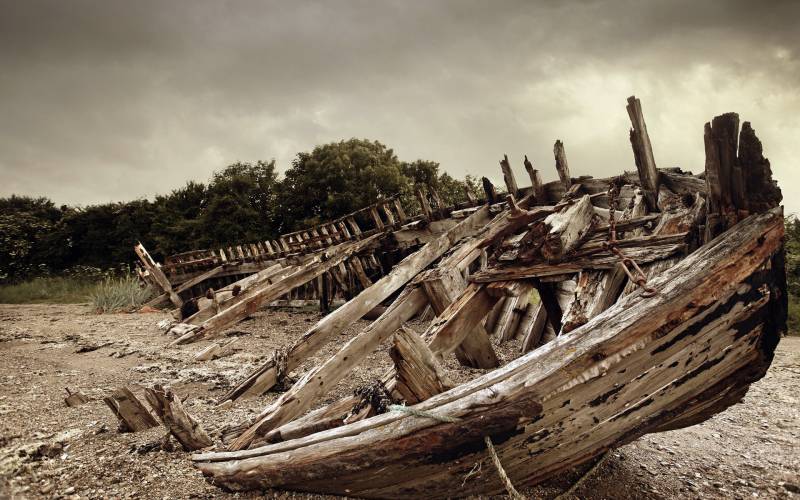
(661, 298)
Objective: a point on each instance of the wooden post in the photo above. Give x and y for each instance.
(132, 414)
(488, 189)
(643, 153)
(400, 212)
(180, 424)
(388, 213)
(532, 326)
(427, 212)
(537, 188)
(157, 274)
(376, 218)
(508, 176)
(418, 374)
(561, 165)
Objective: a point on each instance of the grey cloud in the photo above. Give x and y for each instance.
(112, 100)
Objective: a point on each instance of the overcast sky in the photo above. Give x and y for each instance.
(114, 100)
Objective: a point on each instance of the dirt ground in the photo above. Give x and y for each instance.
(48, 450)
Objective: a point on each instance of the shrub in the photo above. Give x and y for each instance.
(120, 294)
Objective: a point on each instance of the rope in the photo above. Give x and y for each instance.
(512, 492)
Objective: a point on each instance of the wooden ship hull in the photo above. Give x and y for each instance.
(610, 352)
(647, 364)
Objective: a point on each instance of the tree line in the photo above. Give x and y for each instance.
(240, 203)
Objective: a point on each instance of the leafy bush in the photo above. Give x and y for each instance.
(120, 294)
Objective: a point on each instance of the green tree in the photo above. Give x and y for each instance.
(335, 179)
(240, 205)
(26, 243)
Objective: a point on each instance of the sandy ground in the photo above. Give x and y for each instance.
(48, 450)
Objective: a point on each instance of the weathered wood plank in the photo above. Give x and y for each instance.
(418, 375)
(561, 165)
(643, 153)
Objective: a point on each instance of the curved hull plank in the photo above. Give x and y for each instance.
(646, 364)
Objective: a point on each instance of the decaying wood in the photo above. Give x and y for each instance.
(610, 370)
(180, 424)
(215, 350)
(442, 287)
(532, 326)
(508, 176)
(643, 153)
(157, 274)
(425, 206)
(561, 165)
(75, 398)
(419, 375)
(565, 229)
(537, 188)
(266, 376)
(132, 414)
(595, 292)
(319, 380)
(489, 191)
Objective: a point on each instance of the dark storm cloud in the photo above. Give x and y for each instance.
(108, 100)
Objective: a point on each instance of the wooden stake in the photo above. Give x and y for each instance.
(643, 153)
(561, 165)
(508, 176)
(180, 424)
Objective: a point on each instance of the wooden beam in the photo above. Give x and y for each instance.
(643, 153)
(596, 291)
(418, 374)
(537, 188)
(444, 285)
(318, 381)
(532, 326)
(561, 165)
(508, 176)
(565, 230)
(157, 274)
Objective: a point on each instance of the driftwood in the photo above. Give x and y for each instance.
(180, 424)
